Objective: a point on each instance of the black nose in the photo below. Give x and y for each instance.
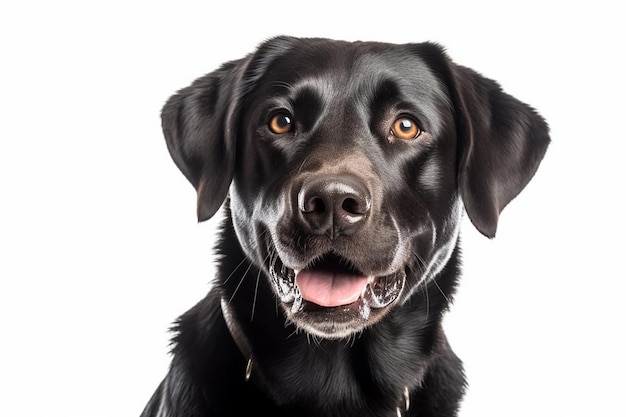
(334, 205)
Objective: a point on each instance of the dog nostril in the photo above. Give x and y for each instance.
(313, 205)
(354, 206)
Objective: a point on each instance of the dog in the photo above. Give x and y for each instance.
(343, 170)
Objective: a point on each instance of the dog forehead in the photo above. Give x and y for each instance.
(339, 68)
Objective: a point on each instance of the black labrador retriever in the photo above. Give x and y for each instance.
(345, 169)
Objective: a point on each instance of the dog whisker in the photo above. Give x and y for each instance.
(351, 340)
(302, 164)
(440, 290)
(422, 284)
(240, 282)
(316, 341)
(256, 287)
(234, 270)
(256, 292)
(424, 288)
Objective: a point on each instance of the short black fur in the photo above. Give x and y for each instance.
(391, 212)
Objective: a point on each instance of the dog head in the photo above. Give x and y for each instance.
(348, 166)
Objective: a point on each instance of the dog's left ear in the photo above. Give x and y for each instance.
(501, 142)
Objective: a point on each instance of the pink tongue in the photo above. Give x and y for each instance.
(328, 289)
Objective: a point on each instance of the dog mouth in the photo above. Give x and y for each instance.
(330, 293)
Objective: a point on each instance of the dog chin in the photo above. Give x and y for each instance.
(378, 295)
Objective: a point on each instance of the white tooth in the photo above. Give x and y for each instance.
(297, 302)
(286, 291)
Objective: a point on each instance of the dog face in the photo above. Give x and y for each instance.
(349, 165)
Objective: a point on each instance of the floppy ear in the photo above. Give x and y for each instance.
(199, 124)
(502, 142)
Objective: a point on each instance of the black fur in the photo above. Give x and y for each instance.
(398, 220)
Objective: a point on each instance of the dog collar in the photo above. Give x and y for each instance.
(244, 347)
(238, 337)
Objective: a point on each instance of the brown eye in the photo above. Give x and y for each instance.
(405, 128)
(280, 123)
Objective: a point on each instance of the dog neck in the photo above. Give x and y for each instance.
(244, 347)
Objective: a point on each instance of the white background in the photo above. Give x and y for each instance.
(100, 250)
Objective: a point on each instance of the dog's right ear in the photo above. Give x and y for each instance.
(199, 123)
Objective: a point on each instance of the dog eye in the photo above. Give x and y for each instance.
(280, 124)
(405, 128)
